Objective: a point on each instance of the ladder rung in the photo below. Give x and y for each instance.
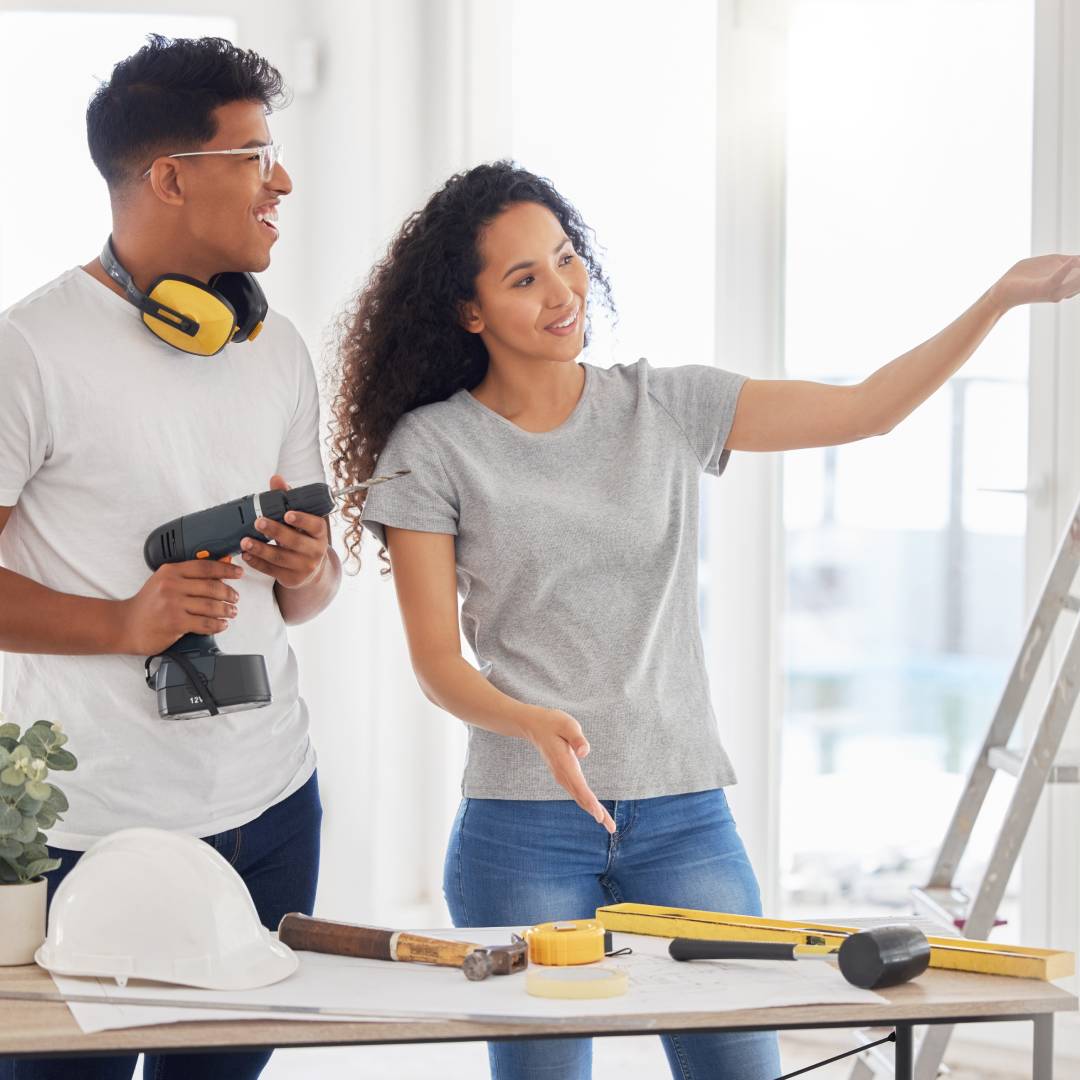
(884, 1056)
(945, 904)
(1066, 770)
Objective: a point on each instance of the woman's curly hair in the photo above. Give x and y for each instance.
(400, 343)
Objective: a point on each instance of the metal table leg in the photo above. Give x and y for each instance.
(1042, 1063)
(905, 1055)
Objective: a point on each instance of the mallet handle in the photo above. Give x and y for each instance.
(369, 942)
(695, 949)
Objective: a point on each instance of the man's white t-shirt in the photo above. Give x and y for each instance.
(105, 433)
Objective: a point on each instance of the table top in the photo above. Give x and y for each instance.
(937, 996)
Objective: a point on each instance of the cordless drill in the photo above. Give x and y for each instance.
(195, 678)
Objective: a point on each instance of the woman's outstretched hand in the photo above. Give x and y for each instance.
(1042, 279)
(562, 743)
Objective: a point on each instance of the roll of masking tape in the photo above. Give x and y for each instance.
(576, 982)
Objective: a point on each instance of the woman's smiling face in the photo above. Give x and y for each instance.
(531, 293)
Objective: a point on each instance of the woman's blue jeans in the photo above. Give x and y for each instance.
(513, 863)
(277, 855)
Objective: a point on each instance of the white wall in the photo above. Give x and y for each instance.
(389, 761)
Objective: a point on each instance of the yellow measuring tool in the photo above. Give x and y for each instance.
(956, 954)
(562, 944)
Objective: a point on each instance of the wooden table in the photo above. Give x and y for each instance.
(937, 997)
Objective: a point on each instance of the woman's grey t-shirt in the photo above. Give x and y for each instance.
(577, 555)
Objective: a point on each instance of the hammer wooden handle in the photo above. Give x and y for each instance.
(369, 942)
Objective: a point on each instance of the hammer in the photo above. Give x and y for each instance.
(871, 959)
(374, 943)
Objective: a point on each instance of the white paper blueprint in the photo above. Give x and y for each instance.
(658, 985)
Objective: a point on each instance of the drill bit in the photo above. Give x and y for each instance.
(369, 483)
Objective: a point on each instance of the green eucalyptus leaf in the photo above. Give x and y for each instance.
(9, 872)
(39, 791)
(26, 831)
(11, 821)
(9, 792)
(21, 753)
(5, 758)
(46, 819)
(29, 807)
(12, 777)
(37, 743)
(59, 739)
(9, 731)
(61, 760)
(33, 851)
(39, 867)
(57, 800)
(11, 849)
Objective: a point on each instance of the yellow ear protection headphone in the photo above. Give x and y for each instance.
(190, 316)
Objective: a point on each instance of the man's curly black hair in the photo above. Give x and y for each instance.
(401, 344)
(161, 99)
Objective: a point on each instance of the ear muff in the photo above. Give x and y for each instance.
(248, 301)
(187, 315)
(190, 316)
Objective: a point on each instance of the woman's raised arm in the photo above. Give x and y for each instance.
(789, 414)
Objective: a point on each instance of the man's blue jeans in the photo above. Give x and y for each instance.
(518, 863)
(277, 855)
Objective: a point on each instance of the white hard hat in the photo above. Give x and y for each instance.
(150, 904)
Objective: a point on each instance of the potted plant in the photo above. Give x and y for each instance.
(29, 804)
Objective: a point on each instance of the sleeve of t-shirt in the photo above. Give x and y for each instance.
(425, 500)
(701, 400)
(25, 437)
(300, 461)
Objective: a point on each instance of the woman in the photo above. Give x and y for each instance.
(561, 500)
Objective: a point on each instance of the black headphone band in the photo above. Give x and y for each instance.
(117, 272)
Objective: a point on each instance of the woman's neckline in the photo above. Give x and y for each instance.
(558, 429)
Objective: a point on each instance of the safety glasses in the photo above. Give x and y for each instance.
(269, 155)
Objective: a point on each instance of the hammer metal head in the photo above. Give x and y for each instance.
(487, 960)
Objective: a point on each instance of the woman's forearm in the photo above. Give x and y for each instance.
(894, 391)
(790, 414)
(453, 684)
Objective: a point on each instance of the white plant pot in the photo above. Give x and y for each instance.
(22, 921)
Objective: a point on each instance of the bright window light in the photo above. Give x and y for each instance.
(54, 208)
(909, 192)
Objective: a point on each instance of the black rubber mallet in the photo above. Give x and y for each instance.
(871, 959)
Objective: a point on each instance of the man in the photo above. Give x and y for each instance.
(110, 426)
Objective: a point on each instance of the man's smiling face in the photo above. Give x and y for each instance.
(230, 211)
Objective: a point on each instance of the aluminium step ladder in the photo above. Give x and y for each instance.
(1033, 769)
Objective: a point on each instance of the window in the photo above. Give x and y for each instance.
(909, 192)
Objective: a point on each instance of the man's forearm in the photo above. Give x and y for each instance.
(37, 619)
(300, 605)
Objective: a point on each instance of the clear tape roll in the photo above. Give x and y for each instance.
(576, 982)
